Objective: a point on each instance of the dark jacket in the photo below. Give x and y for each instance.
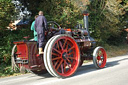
(40, 24)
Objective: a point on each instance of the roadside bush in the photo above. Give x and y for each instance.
(6, 43)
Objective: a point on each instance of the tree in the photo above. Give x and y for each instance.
(61, 11)
(107, 20)
(7, 11)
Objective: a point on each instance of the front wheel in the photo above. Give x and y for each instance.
(99, 57)
(62, 56)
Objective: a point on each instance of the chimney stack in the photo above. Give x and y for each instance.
(86, 25)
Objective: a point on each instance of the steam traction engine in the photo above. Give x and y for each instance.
(64, 51)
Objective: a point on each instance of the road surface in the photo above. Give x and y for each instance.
(115, 73)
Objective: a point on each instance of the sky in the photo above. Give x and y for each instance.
(23, 11)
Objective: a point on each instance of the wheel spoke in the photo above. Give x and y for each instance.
(71, 58)
(98, 58)
(57, 58)
(59, 64)
(67, 46)
(55, 54)
(101, 53)
(98, 53)
(57, 50)
(61, 45)
(70, 48)
(68, 65)
(70, 53)
(102, 60)
(58, 46)
(64, 66)
(62, 69)
(98, 62)
(68, 60)
(65, 43)
(56, 63)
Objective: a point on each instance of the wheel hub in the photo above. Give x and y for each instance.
(64, 55)
(102, 57)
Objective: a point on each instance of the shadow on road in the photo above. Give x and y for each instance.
(114, 63)
(84, 69)
(90, 68)
(42, 76)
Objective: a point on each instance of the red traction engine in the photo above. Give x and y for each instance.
(64, 51)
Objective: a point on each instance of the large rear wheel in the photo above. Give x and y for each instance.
(62, 56)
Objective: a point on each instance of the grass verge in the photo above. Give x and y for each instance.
(113, 51)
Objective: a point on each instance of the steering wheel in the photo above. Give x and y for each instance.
(53, 27)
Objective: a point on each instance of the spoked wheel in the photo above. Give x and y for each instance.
(62, 56)
(99, 57)
(15, 66)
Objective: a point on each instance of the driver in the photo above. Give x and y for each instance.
(40, 26)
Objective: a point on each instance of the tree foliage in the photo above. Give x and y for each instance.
(7, 11)
(61, 11)
(107, 20)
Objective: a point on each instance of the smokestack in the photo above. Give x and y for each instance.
(86, 26)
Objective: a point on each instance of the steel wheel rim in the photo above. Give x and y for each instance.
(15, 66)
(45, 56)
(65, 56)
(101, 58)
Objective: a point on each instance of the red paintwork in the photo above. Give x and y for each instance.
(86, 14)
(68, 30)
(28, 50)
(101, 58)
(59, 50)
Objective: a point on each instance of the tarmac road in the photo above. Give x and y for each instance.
(115, 73)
